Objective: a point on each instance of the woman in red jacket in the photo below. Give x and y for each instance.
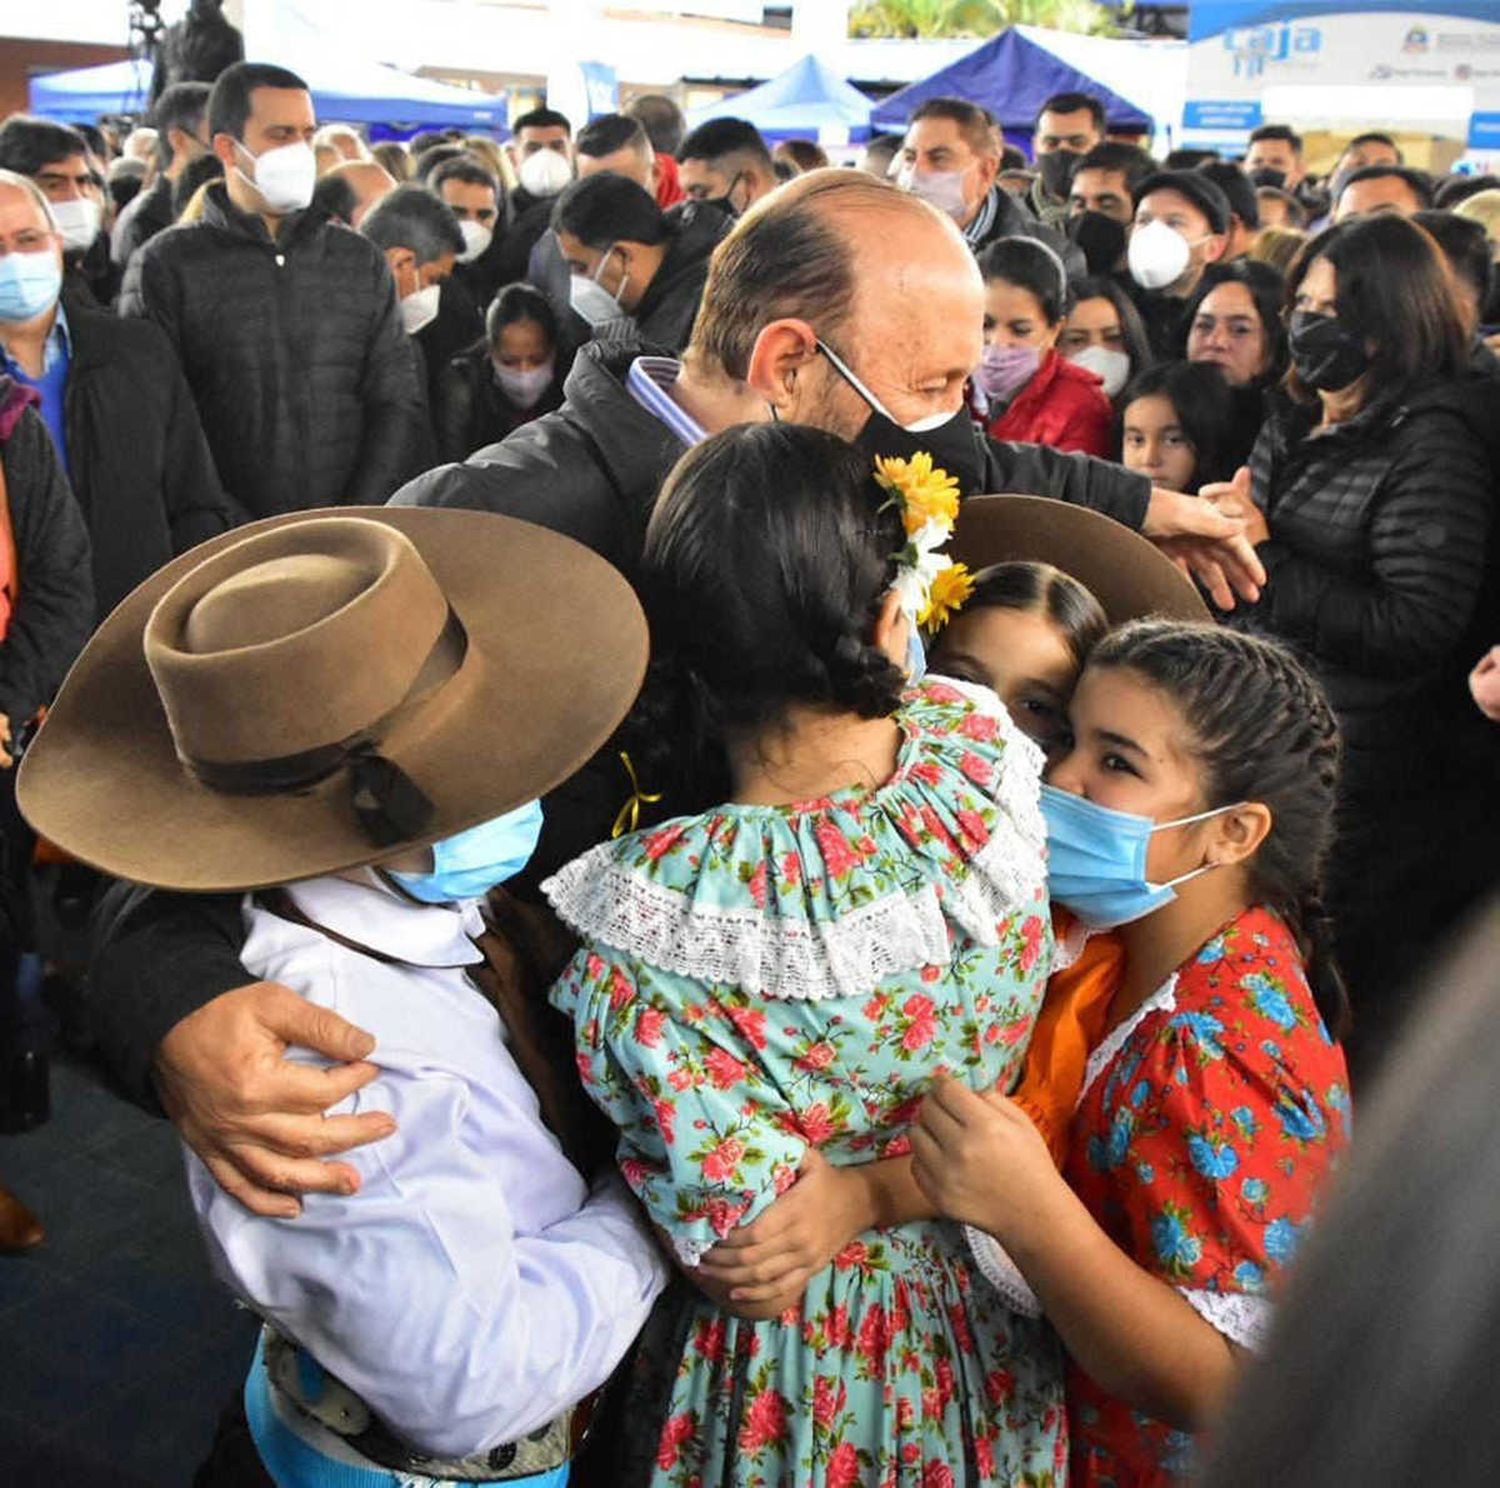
(1035, 395)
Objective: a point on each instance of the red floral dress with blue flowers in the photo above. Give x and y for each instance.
(1207, 1129)
(759, 981)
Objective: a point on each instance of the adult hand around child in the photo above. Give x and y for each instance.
(776, 1256)
(980, 1159)
(255, 1117)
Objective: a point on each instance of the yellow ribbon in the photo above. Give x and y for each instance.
(629, 819)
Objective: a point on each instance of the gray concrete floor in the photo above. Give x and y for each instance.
(118, 1349)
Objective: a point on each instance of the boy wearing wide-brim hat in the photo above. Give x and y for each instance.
(351, 717)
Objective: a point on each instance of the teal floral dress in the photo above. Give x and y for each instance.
(760, 980)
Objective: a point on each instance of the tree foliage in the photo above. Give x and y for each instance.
(977, 18)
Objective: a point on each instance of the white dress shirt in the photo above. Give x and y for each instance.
(474, 1288)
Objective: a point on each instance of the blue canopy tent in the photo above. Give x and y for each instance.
(85, 93)
(806, 101)
(351, 92)
(1011, 75)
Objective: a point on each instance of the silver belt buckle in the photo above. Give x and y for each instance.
(338, 1409)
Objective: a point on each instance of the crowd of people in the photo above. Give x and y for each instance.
(754, 817)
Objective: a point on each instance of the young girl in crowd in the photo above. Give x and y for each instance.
(1194, 811)
(1025, 633)
(1103, 333)
(1035, 396)
(1177, 425)
(767, 985)
(513, 376)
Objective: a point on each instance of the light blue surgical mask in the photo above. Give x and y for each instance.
(29, 284)
(470, 864)
(1097, 859)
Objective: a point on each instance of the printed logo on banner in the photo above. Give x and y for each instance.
(1252, 47)
(1416, 41)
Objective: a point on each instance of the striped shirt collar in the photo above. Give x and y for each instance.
(974, 233)
(650, 382)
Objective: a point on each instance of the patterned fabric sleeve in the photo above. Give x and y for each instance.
(1223, 1156)
(707, 1141)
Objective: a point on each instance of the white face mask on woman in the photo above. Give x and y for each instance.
(1111, 367)
(525, 387)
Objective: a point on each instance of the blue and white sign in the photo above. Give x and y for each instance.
(1438, 60)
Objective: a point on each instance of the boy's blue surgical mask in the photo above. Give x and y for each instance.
(1097, 859)
(470, 864)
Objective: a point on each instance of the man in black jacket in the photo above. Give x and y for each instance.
(653, 264)
(121, 417)
(839, 303)
(46, 614)
(286, 325)
(181, 138)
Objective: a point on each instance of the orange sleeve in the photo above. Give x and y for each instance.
(1071, 1023)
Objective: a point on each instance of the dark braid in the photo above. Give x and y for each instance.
(1263, 731)
(766, 561)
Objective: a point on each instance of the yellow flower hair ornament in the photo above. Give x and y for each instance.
(930, 585)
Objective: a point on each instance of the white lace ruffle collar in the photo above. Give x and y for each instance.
(886, 923)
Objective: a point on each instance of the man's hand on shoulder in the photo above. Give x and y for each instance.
(255, 1117)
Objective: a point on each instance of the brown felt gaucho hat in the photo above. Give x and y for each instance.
(1129, 576)
(319, 691)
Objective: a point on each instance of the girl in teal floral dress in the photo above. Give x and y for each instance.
(770, 985)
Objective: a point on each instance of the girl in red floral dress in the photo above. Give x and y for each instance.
(1194, 811)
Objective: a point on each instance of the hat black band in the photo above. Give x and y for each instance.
(390, 806)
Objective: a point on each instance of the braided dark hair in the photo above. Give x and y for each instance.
(1263, 731)
(766, 560)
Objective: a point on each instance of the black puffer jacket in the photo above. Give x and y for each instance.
(669, 307)
(295, 353)
(54, 609)
(593, 468)
(1380, 531)
(140, 465)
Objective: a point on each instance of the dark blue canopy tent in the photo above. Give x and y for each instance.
(800, 102)
(1012, 75)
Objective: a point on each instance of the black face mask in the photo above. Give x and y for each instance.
(954, 444)
(1268, 177)
(725, 203)
(1057, 170)
(1100, 239)
(1327, 355)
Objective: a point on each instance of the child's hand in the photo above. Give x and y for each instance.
(794, 1239)
(979, 1158)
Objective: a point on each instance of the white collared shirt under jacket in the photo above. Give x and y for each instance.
(474, 1288)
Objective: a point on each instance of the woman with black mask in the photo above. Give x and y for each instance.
(1373, 506)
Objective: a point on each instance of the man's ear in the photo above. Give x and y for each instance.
(1216, 248)
(989, 171)
(782, 352)
(224, 148)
